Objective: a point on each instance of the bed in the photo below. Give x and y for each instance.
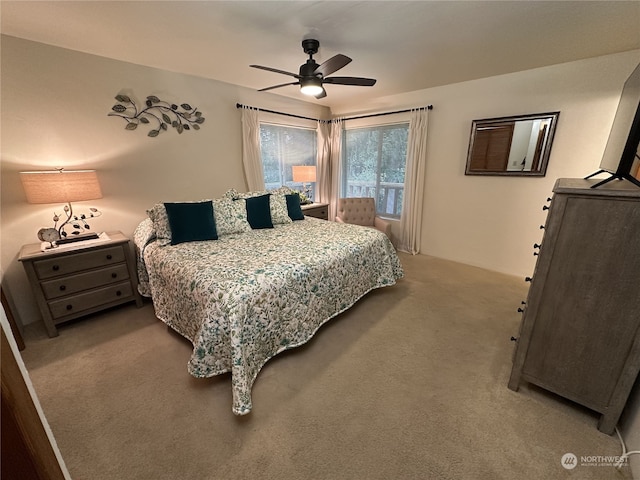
(246, 296)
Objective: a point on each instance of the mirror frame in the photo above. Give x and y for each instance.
(488, 122)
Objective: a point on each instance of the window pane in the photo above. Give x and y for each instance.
(362, 148)
(283, 147)
(374, 166)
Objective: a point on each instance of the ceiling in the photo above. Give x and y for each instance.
(406, 46)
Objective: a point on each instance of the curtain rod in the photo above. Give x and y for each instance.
(428, 107)
(239, 105)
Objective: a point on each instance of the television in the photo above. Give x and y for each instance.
(621, 157)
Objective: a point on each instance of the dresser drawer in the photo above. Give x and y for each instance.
(78, 262)
(91, 299)
(80, 282)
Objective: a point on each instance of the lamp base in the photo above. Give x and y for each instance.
(77, 238)
(307, 191)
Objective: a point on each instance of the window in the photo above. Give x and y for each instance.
(283, 147)
(374, 161)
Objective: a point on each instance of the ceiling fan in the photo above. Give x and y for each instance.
(312, 76)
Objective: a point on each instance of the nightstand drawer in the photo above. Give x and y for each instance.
(319, 213)
(317, 210)
(91, 299)
(77, 262)
(80, 282)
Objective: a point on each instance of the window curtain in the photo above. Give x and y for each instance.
(328, 163)
(251, 158)
(411, 217)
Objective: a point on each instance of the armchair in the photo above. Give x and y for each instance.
(361, 211)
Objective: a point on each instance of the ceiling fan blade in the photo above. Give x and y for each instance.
(334, 64)
(358, 81)
(275, 70)
(321, 94)
(278, 86)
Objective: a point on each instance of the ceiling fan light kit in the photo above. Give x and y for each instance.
(312, 87)
(312, 77)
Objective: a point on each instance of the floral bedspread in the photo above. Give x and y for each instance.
(245, 297)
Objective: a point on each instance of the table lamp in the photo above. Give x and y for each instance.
(62, 186)
(305, 174)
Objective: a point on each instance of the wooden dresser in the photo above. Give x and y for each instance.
(80, 278)
(580, 331)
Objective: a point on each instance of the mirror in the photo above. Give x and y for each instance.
(518, 145)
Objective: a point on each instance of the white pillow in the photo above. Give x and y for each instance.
(160, 219)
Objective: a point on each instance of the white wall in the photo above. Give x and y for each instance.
(54, 114)
(630, 427)
(493, 222)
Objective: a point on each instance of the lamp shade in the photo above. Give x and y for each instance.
(61, 186)
(304, 173)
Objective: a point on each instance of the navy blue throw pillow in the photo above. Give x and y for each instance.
(191, 222)
(259, 212)
(293, 207)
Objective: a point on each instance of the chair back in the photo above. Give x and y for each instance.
(358, 211)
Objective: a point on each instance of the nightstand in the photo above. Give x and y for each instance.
(77, 279)
(317, 210)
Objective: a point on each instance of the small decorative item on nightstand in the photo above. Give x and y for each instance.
(50, 235)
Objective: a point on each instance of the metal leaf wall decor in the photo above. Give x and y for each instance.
(183, 117)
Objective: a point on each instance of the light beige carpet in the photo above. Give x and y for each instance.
(410, 383)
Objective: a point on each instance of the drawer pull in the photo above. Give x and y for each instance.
(118, 293)
(69, 307)
(114, 275)
(63, 288)
(56, 268)
(109, 257)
